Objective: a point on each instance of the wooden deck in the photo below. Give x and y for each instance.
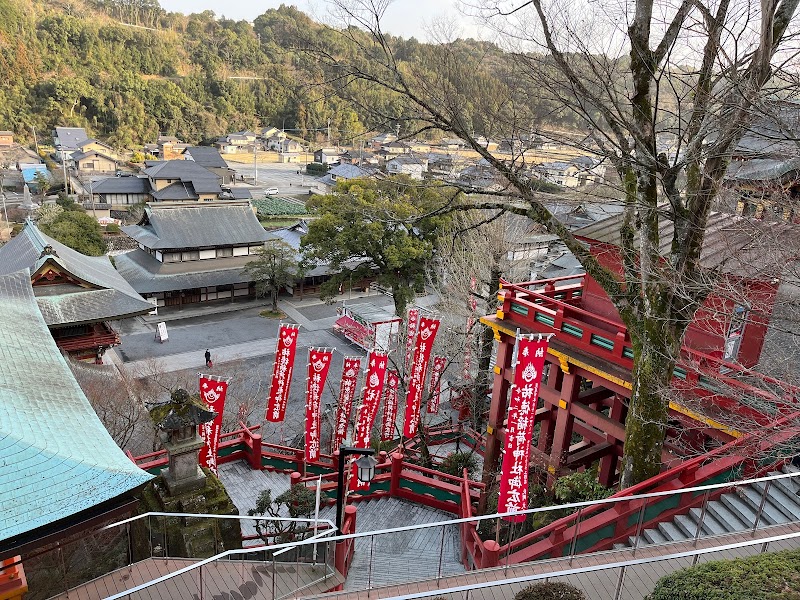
(638, 580)
(229, 580)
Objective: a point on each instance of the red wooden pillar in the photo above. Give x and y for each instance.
(555, 379)
(608, 464)
(397, 467)
(255, 451)
(503, 373)
(562, 434)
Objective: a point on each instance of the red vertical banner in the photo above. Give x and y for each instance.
(282, 373)
(376, 375)
(435, 386)
(531, 351)
(419, 368)
(390, 406)
(212, 392)
(347, 391)
(411, 333)
(319, 362)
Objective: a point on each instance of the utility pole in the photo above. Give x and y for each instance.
(255, 164)
(35, 141)
(66, 181)
(329, 131)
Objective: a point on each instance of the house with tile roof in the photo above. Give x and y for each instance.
(77, 295)
(60, 470)
(67, 141)
(93, 162)
(343, 172)
(210, 158)
(193, 253)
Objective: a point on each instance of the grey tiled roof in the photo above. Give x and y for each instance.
(122, 185)
(70, 138)
(198, 226)
(108, 296)
(82, 155)
(147, 275)
(56, 458)
(761, 169)
(182, 190)
(206, 156)
(185, 170)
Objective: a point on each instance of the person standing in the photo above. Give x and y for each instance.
(208, 358)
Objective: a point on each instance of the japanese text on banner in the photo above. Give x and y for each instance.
(390, 407)
(347, 391)
(376, 375)
(282, 373)
(212, 392)
(319, 362)
(531, 353)
(419, 366)
(411, 333)
(435, 388)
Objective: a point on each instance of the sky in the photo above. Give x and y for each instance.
(404, 18)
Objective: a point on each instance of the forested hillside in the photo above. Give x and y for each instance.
(126, 70)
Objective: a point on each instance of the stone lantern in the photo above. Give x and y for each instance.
(177, 422)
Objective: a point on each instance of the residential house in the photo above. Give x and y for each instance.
(268, 132)
(120, 193)
(192, 254)
(210, 159)
(326, 156)
(343, 172)
(6, 138)
(445, 166)
(395, 148)
(418, 147)
(377, 142)
(361, 158)
(181, 180)
(407, 165)
(77, 295)
(31, 172)
(574, 173)
(94, 162)
(452, 144)
(170, 147)
(67, 141)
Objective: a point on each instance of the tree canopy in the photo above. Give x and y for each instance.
(274, 269)
(377, 228)
(77, 230)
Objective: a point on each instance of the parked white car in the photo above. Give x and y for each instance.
(271, 192)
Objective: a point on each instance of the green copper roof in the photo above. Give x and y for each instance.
(56, 458)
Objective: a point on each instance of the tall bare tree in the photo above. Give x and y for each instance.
(693, 73)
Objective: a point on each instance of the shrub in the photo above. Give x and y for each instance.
(580, 487)
(455, 463)
(771, 576)
(550, 591)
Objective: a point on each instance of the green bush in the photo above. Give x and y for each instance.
(550, 591)
(455, 463)
(580, 487)
(112, 228)
(772, 576)
(317, 169)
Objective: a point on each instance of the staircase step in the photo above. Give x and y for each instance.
(790, 484)
(790, 468)
(728, 520)
(740, 508)
(711, 526)
(671, 532)
(788, 504)
(687, 525)
(620, 546)
(653, 536)
(770, 514)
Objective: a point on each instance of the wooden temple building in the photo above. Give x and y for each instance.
(77, 295)
(587, 383)
(61, 473)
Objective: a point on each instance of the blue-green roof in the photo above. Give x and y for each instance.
(56, 458)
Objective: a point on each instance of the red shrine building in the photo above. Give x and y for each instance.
(587, 383)
(78, 295)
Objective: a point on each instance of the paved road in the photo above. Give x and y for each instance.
(279, 175)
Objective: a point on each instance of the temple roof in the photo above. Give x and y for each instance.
(56, 458)
(206, 225)
(94, 290)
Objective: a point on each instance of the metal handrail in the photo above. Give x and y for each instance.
(216, 557)
(590, 569)
(237, 517)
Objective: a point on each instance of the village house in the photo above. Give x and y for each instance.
(6, 138)
(378, 141)
(343, 172)
(395, 148)
(193, 253)
(209, 158)
(574, 173)
(67, 141)
(361, 158)
(326, 156)
(407, 165)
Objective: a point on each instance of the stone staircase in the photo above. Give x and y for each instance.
(403, 556)
(732, 512)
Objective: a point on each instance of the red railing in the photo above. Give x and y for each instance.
(603, 526)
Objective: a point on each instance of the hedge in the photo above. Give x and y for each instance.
(771, 576)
